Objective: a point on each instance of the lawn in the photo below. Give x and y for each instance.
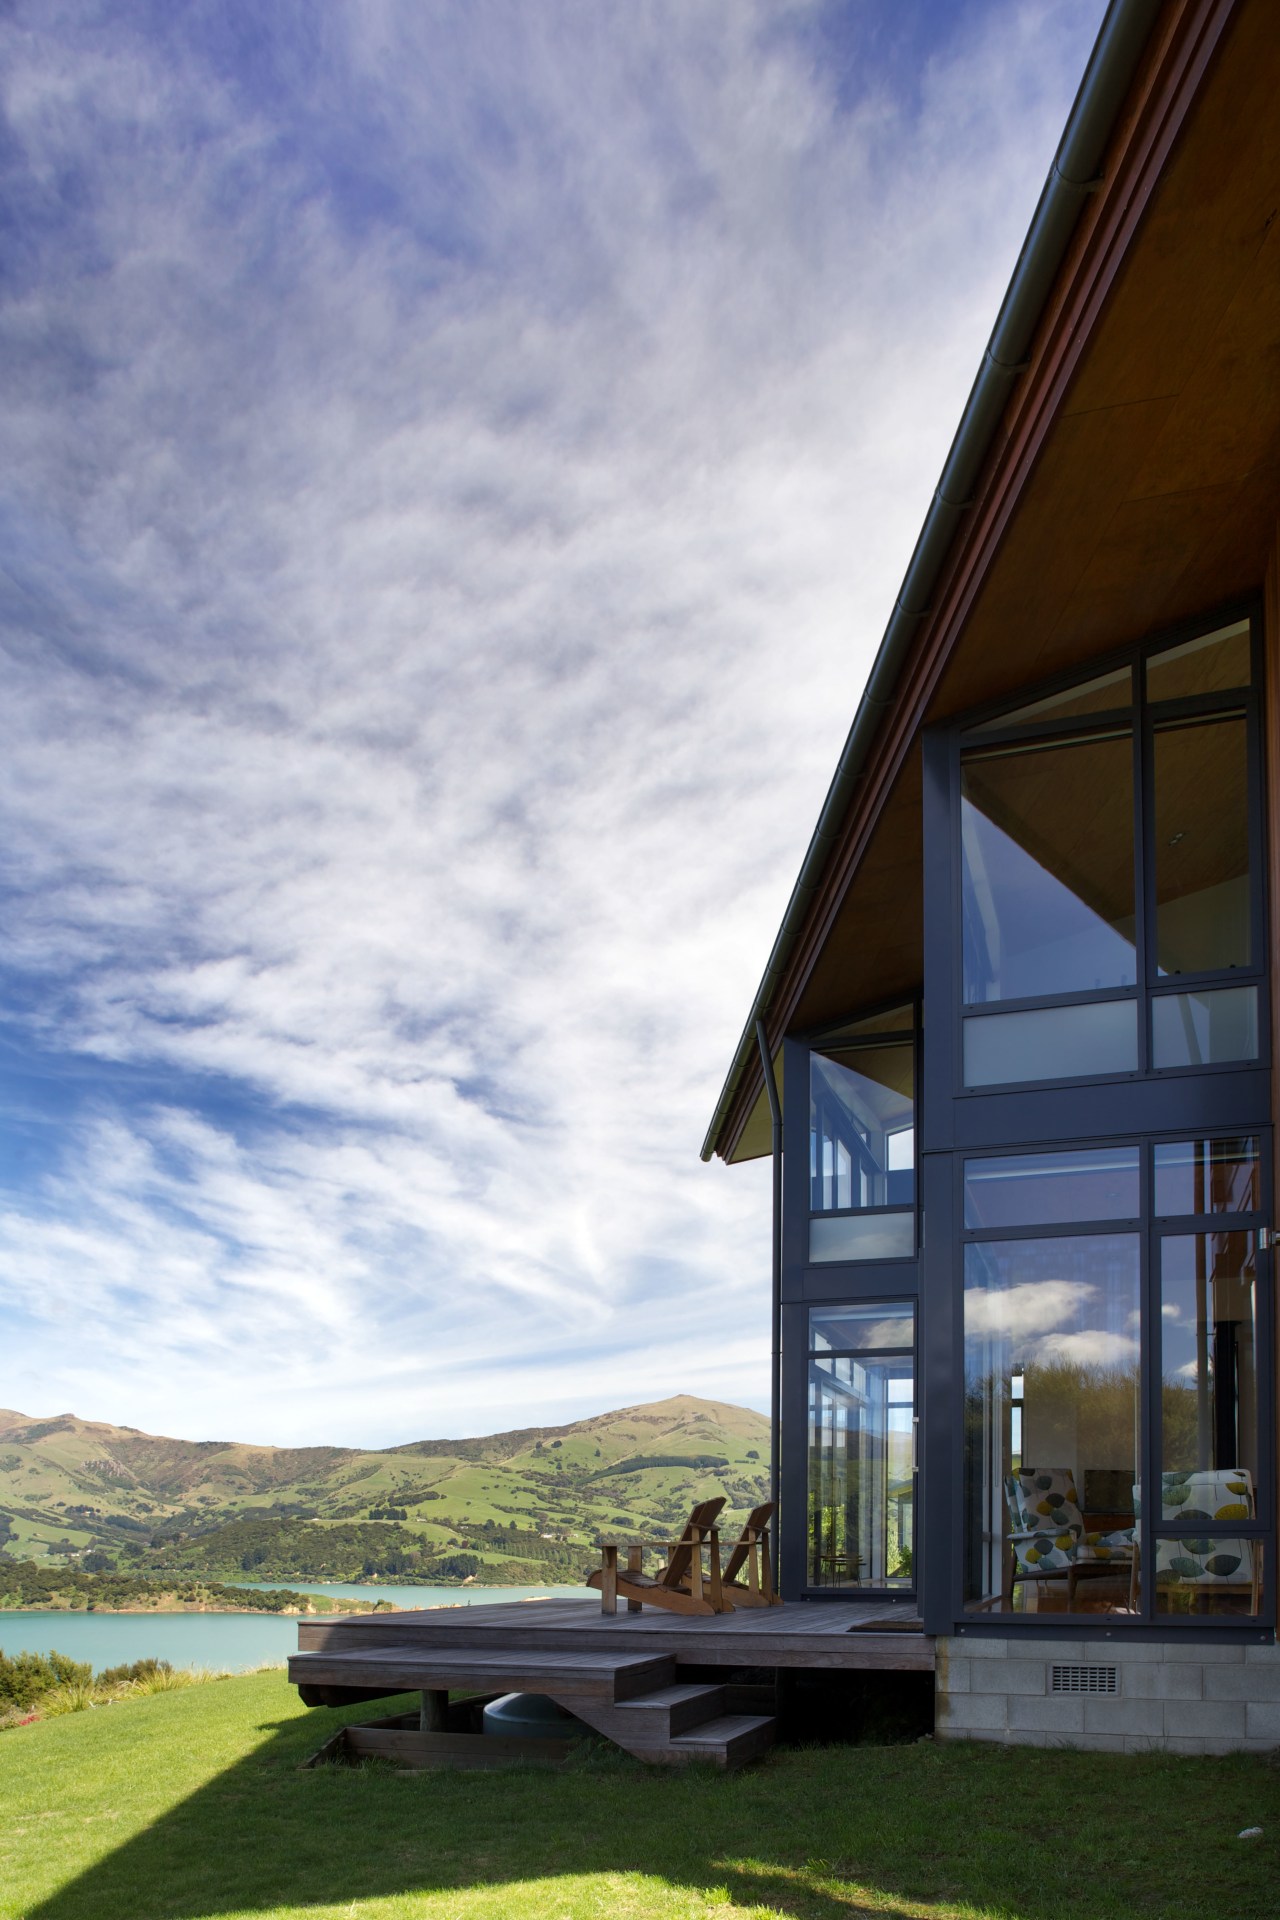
(183, 1806)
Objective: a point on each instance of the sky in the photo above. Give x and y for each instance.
(457, 461)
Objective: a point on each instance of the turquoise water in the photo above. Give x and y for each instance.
(421, 1596)
(229, 1642)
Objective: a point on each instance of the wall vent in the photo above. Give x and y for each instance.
(1076, 1679)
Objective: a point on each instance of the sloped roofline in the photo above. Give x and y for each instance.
(1073, 176)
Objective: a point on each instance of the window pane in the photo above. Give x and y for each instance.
(1040, 1189)
(1107, 693)
(861, 1483)
(868, 1328)
(1200, 1029)
(1201, 837)
(862, 1236)
(1207, 1176)
(861, 1127)
(1048, 868)
(1209, 1394)
(1051, 1043)
(1224, 1584)
(1211, 663)
(1052, 1348)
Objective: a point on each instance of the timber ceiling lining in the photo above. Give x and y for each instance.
(1155, 494)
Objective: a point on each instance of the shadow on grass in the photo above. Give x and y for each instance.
(812, 1834)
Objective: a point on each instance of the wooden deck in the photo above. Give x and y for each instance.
(641, 1678)
(815, 1633)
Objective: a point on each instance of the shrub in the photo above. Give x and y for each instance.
(25, 1678)
(136, 1670)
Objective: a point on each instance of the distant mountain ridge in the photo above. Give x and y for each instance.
(519, 1504)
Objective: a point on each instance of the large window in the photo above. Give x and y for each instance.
(862, 1141)
(1107, 858)
(1085, 1360)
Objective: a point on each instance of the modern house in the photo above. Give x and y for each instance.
(1013, 1049)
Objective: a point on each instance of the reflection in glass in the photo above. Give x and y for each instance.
(1108, 693)
(1208, 1358)
(871, 1328)
(1203, 1029)
(1052, 1349)
(861, 1469)
(1043, 1189)
(1047, 832)
(862, 1127)
(1051, 1043)
(1207, 1176)
(1201, 836)
(1211, 663)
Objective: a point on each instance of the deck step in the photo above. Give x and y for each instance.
(604, 1677)
(729, 1741)
(671, 1710)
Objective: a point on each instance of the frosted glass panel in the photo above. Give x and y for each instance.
(862, 1236)
(1051, 1043)
(1201, 1029)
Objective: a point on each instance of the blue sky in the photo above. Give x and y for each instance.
(458, 461)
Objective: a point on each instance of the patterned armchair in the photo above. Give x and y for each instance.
(1208, 1496)
(1048, 1538)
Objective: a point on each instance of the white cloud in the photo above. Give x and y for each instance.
(461, 462)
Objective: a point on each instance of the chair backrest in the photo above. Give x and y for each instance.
(1208, 1494)
(756, 1522)
(1205, 1497)
(703, 1516)
(1048, 1525)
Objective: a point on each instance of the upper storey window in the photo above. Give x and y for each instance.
(862, 1152)
(1048, 866)
(1107, 849)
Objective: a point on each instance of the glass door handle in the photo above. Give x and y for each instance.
(915, 1443)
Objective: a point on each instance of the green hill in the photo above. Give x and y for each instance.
(521, 1506)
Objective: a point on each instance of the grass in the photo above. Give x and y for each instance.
(190, 1804)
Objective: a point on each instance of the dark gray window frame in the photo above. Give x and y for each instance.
(985, 728)
(1150, 1230)
(1168, 1104)
(806, 1283)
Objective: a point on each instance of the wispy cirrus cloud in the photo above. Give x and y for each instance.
(459, 463)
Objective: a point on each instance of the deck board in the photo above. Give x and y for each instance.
(837, 1633)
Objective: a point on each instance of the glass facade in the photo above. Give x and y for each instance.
(1084, 1237)
(1116, 1450)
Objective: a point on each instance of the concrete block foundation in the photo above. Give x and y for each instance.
(1143, 1697)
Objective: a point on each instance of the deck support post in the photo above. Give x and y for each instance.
(609, 1577)
(434, 1717)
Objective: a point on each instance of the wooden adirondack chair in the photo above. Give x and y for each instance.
(680, 1586)
(752, 1552)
